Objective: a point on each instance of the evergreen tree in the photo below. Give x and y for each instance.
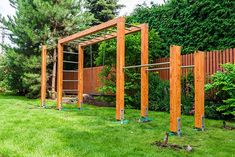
(103, 10)
(38, 22)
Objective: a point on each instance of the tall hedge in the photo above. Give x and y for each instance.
(193, 24)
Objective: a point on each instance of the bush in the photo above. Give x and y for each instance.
(132, 57)
(159, 98)
(193, 24)
(223, 82)
(187, 93)
(20, 74)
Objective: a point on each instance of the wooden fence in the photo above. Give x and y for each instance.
(213, 61)
(91, 80)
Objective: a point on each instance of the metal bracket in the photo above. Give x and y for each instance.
(179, 126)
(146, 112)
(122, 116)
(203, 123)
(81, 104)
(43, 104)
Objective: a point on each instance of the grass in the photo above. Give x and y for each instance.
(26, 131)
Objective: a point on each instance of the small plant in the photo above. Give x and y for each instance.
(224, 84)
(187, 93)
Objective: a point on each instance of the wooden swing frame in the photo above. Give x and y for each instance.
(175, 72)
(119, 34)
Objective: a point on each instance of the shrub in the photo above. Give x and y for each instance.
(187, 93)
(20, 74)
(223, 82)
(159, 98)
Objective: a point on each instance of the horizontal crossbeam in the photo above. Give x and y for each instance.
(70, 71)
(74, 53)
(187, 66)
(156, 69)
(91, 30)
(70, 80)
(167, 68)
(72, 62)
(111, 36)
(70, 90)
(146, 65)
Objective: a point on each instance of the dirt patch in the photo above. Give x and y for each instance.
(94, 100)
(173, 146)
(227, 127)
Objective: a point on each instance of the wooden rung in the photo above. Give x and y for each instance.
(70, 90)
(70, 81)
(68, 52)
(72, 62)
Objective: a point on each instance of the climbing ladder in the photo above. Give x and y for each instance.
(69, 94)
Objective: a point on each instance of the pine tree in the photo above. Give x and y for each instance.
(38, 22)
(103, 10)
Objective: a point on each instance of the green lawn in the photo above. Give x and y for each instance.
(29, 132)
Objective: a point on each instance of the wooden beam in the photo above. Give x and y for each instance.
(43, 76)
(119, 69)
(199, 72)
(60, 76)
(91, 30)
(80, 75)
(111, 36)
(144, 72)
(175, 89)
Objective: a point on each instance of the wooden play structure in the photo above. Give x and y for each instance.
(117, 28)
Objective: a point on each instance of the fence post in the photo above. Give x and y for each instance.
(43, 76)
(199, 89)
(175, 89)
(144, 72)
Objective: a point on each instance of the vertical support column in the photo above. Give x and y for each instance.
(144, 72)
(43, 76)
(60, 76)
(119, 69)
(80, 76)
(175, 89)
(199, 80)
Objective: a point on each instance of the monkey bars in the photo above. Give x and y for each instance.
(96, 34)
(116, 28)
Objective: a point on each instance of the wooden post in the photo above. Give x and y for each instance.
(199, 72)
(60, 76)
(80, 76)
(43, 76)
(175, 89)
(119, 69)
(144, 72)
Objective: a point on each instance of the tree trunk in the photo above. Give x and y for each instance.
(53, 83)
